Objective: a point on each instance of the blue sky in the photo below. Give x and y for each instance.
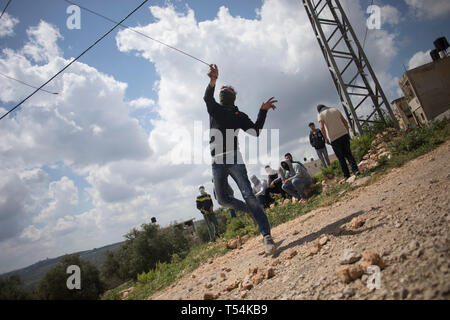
(85, 167)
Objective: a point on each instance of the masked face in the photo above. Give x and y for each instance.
(227, 96)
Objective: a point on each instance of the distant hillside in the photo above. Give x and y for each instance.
(32, 275)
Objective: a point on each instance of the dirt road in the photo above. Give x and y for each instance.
(406, 221)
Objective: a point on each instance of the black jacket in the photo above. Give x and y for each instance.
(204, 202)
(223, 118)
(317, 140)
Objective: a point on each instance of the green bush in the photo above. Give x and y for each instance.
(361, 145)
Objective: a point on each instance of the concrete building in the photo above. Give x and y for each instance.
(314, 166)
(403, 114)
(427, 91)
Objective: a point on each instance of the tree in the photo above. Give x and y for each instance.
(12, 289)
(54, 284)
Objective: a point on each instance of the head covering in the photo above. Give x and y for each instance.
(321, 108)
(270, 171)
(289, 164)
(227, 96)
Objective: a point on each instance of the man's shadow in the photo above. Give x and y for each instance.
(331, 229)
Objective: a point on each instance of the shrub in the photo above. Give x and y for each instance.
(12, 289)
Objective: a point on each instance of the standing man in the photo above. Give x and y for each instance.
(338, 136)
(317, 141)
(225, 122)
(206, 207)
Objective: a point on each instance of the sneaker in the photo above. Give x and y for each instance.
(269, 244)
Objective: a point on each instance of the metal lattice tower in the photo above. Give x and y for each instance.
(352, 74)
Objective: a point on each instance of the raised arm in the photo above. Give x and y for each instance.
(211, 104)
(254, 129)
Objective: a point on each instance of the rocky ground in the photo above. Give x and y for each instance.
(399, 223)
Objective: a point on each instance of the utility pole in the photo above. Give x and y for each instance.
(355, 81)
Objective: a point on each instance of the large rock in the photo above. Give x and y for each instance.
(210, 296)
(349, 256)
(357, 223)
(371, 258)
(348, 274)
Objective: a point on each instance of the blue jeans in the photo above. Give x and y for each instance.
(252, 206)
(296, 187)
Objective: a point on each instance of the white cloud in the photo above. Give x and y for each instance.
(390, 15)
(64, 197)
(142, 103)
(419, 59)
(429, 9)
(7, 24)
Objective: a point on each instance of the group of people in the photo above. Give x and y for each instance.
(292, 178)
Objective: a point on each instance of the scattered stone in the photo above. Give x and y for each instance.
(253, 270)
(349, 292)
(348, 274)
(232, 244)
(124, 293)
(223, 275)
(270, 273)
(232, 285)
(349, 256)
(247, 286)
(261, 253)
(371, 258)
(257, 279)
(323, 241)
(295, 233)
(275, 262)
(291, 255)
(227, 269)
(208, 286)
(357, 223)
(210, 296)
(314, 249)
(244, 294)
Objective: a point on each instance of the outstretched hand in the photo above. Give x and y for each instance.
(269, 104)
(213, 73)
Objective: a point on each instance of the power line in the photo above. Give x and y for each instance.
(9, 1)
(74, 60)
(135, 31)
(26, 84)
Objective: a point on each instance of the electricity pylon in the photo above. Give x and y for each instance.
(355, 81)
